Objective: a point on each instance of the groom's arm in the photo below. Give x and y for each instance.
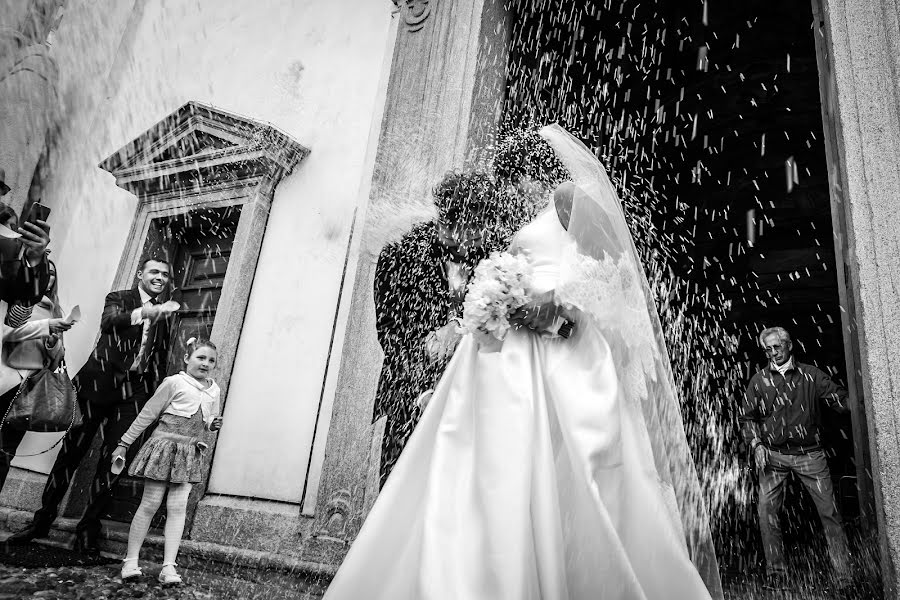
(385, 295)
(115, 316)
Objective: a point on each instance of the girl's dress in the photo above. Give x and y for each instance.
(174, 452)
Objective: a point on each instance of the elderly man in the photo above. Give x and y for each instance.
(781, 424)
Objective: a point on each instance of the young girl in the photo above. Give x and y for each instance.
(185, 405)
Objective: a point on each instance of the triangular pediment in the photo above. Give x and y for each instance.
(195, 142)
(201, 145)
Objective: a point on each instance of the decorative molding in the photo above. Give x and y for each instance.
(202, 147)
(415, 13)
(336, 517)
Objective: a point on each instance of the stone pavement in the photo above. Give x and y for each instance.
(103, 583)
(208, 572)
(215, 577)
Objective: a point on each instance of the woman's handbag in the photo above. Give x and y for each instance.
(45, 402)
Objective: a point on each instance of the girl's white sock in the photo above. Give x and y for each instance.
(140, 525)
(176, 512)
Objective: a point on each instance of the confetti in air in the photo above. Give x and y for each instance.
(697, 109)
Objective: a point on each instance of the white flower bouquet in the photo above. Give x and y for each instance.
(498, 288)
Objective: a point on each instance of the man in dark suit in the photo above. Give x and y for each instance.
(420, 282)
(123, 371)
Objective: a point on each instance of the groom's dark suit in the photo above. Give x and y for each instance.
(111, 392)
(412, 299)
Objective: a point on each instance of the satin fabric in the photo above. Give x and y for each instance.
(529, 477)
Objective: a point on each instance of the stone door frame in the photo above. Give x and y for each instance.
(836, 174)
(858, 55)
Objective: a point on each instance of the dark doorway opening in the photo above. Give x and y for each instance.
(198, 244)
(709, 117)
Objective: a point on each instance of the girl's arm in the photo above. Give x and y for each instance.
(151, 411)
(211, 413)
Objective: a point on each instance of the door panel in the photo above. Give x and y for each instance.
(200, 273)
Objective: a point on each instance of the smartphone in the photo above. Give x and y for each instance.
(38, 212)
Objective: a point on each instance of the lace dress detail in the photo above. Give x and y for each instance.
(608, 290)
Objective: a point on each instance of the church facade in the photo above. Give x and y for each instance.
(273, 164)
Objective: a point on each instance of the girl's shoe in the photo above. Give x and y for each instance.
(168, 575)
(130, 569)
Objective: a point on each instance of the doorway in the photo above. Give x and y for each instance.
(709, 118)
(198, 244)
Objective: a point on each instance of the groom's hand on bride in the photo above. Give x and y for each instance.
(441, 343)
(537, 315)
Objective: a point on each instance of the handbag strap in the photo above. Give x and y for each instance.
(15, 398)
(57, 443)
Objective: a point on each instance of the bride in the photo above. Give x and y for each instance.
(553, 467)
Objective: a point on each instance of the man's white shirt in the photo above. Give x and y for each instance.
(457, 277)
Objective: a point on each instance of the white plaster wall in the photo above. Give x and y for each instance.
(91, 216)
(310, 68)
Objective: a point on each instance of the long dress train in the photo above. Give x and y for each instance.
(530, 476)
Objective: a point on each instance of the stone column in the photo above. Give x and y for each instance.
(863, 53)
(444, 100)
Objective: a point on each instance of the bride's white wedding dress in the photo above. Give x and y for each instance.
(530, 476)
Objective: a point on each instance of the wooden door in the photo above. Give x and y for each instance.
(199, 270)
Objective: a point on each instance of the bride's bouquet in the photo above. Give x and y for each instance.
(498, 288)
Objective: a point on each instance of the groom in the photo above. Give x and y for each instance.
(420, 282)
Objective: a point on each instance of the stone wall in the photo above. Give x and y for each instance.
(443, 103)
(864, 53)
